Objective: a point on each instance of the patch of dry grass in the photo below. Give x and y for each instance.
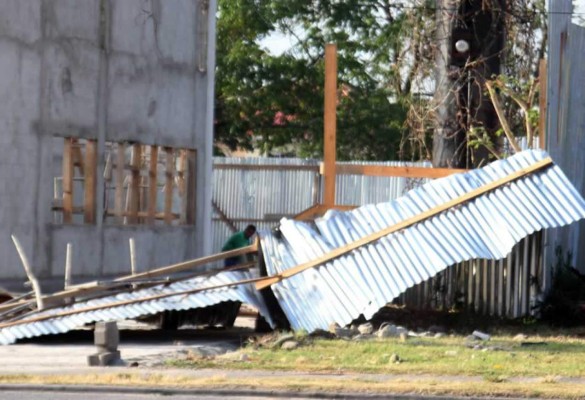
(400, 385)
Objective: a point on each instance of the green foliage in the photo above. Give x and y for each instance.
(269, 101)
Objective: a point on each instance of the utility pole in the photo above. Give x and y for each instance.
(470, 35)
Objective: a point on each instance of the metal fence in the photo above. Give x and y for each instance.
(565, 128)
(263, 190)
(260, 191)
(512, 287)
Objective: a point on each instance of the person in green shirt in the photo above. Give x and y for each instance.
(238, 240)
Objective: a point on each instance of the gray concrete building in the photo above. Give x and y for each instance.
(105, 135)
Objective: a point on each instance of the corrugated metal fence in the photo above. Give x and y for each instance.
(566, 115)
(263, 190)
(512, 287)
(260, 191)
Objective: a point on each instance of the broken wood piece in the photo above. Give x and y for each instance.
(270, 280)
(68, 266)
(132, 256)
(31, 277)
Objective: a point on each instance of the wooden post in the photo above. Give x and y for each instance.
(67, 267)
(182, 185)
(134, 189)
(90, 172)
(542, 71)
(120, 175)
(31, 277)
(329, 121)
(191, 187)
(68, 181)
(152, 184)
(169, 183)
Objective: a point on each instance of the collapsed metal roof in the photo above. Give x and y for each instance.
(181, 295)
(350, 263)
(364, 277)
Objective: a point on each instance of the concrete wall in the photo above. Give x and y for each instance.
(111, 70)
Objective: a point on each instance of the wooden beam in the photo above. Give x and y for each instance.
(134, 189)
(223, 217)
(90, 172)
(68, 181)
(542, 102)
(267, 167)
(329, 121)
(320, 209)
(76, 155)
(128, 302)
(169, 184)
(120, 175)
(164, 271)
(191, 187)
(405, 172)
(152, 184)
(403, 224)
(182, 184)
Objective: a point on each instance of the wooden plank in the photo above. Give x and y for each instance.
(90, 172)
(320, 209)
(152, 184)
(169, 184)
(76, 155)
(223, 217)
(267, 167)
(84, 289)
(120, 175)
(182, 185)
(542, 71)
(191, 187)
(142, 214)
(128, 302)
(68, 180)
(405, 172)
(330, 121)
(134, 189)
(404, 224)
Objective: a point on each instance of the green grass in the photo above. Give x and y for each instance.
(442, 356)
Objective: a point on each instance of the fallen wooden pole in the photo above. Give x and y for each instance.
(270, 280)
(31, 277)
(179, 267)
(133, 301)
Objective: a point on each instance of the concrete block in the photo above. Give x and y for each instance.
(104, 359)
(109, 358)
(106, 336)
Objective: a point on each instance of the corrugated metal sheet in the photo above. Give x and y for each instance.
(364, 280)
(565, 131)
(137, 305)
(262, 196)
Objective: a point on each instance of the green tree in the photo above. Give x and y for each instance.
(269, 101)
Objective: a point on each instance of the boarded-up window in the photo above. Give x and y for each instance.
(142, 184)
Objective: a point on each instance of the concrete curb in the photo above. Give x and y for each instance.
(231, 393)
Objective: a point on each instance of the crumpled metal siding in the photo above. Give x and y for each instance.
(364, 280)
(245, 293)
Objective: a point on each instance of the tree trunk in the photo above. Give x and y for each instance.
(460, 98)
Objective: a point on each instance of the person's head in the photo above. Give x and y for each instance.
(249, 231)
